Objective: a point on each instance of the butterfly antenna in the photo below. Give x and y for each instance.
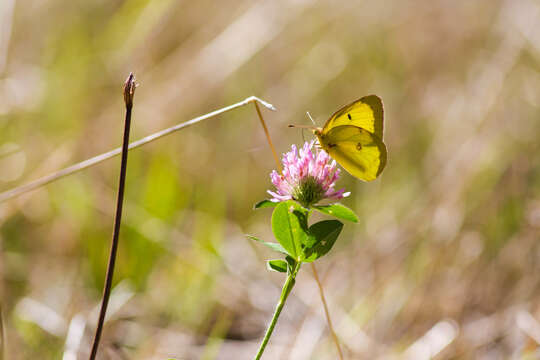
(303, 126)
(306, 126)
(310, 118)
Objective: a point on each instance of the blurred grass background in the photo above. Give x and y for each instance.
(446, 259)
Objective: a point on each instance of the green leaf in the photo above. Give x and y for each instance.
(289, 225)
(338, 210)
(291, 262)
(277, 265)
(265, 204)
(271, 245)
(325, 232)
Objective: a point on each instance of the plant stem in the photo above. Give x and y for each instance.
(287, 287)
(268, 138)
(319, 284)
(129, 90)
(326, 312)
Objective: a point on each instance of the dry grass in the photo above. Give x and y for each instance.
(444, 263)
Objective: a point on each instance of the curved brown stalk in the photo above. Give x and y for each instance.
(129, 91)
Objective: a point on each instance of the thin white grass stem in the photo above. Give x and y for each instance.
(7, 195)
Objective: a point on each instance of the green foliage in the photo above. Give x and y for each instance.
(265, 204)
(300, 242)
(289, 225)
(273, 246)
(277, 265)
(325, 233)
(337, 210)
(291, 262)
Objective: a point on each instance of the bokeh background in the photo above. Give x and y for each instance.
(444, 264)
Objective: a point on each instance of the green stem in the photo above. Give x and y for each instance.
(287, 287)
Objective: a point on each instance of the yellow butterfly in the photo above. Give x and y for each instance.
(353, 136)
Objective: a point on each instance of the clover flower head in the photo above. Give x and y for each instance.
(309, 176)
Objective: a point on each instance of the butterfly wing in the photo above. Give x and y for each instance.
(357, 150)
(367, 113)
